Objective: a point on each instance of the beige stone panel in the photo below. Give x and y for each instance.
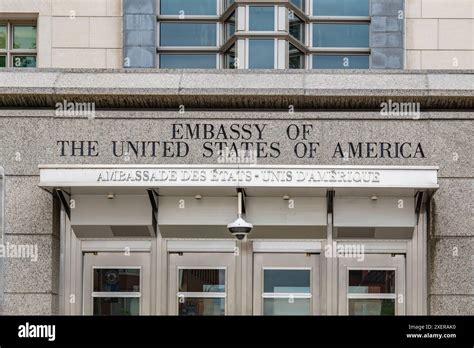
(43, 7)
(413, 8)
(456, 34)
(44, 41)
(79, 8)
(68, 32)
(79, 58)
(106, 32)
(114, 7)
(114, 59)
(413, 60)
(447, 59)
(422, 33)
(447, 8)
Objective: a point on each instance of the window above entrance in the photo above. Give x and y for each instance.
(294, 34)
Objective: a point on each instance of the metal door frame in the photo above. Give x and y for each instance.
(285, 261)
(113, 260)
(202, 260)
(387, 262)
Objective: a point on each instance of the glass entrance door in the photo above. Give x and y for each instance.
(116, 284)
(286, 284)
(374, 286)
(202, 284)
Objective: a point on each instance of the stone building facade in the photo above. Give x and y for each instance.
(378, 158)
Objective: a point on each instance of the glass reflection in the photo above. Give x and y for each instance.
(371, 307)
(229, 27)
(340, 7)
(286, 306)
(229, 58)
(3, 37)
(3, 61)
(261, 18)
(286, 281)
(202, 280)
(298, 3)
(116, 306)
(202, 306)
(371, 282)
(340, 61)
(297, 28)
(188, 34)
(24, 37)
(188, 7)
(296, 58)
(187, 61)
(261, 54)
(116, 280)
(340, 35)
(24, 61)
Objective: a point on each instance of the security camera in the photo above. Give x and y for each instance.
(240, 228)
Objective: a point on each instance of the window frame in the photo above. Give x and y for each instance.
(247, 50)
(193, 48)
(203, 294)
(336, 48)
(311, 13)
(9, 52)
(196, 52)
(288, 295)
(219, 9)
(340, 53)
(304, 56)
(371, 296)
(247, 18)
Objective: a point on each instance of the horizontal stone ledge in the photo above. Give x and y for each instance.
(233, 102)
(318, 114)
(268, 89)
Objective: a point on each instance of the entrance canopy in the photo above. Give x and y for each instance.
(198, 201)
(233, 176)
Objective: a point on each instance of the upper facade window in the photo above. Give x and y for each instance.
(295, 34)
(17, 45)
(340, 35)
(188, 34)
(261, 18)
(188, 7)
(299, 3)
(261, 53)
(340, 7)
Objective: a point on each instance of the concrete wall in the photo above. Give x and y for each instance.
(73, 33)
(31, 288)
(440, 34)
